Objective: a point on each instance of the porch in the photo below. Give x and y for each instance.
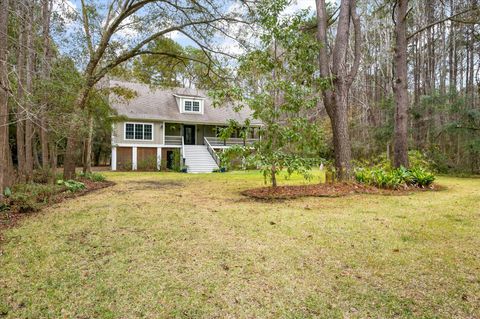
(179, 134)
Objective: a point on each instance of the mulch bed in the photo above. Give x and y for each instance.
(327, 190)
(11, 217)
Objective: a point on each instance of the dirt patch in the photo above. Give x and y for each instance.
(326, 190)
(11, 217)
(157, 184)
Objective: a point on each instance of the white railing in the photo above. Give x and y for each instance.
(212, 152)
(173, 140)
(216, 141)
(182, 155)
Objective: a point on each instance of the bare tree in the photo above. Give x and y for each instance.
(4, 145)
(29, 74)
(400, 88)
(21, 91)
(45, 74)
(335, 68)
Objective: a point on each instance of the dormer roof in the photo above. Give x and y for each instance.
(162, 104)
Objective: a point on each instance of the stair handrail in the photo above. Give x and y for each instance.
(212, 152)
(183, 152)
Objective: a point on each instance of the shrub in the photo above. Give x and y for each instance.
(24, 202)
(94, 177)
(420, 177)
(394, 178)
(176, 165)
(71, 185)
(125, 166)
(41, 192)
(29, 197)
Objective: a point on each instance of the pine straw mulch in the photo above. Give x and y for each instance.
(12, 216)
(328, 190)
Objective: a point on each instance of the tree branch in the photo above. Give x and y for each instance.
(86, 28)
(357, 50)
(428, 26)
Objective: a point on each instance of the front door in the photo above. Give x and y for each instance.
(189, 134)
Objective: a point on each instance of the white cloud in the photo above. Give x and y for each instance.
(300, 5)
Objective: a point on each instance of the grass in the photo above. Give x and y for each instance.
(167, 245)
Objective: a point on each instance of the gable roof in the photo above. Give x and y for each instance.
(161, 104)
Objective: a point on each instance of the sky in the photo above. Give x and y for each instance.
(63, 7)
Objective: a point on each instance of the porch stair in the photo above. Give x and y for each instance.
(198, 159)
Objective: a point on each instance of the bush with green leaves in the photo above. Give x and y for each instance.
(177, 161)
(94, 177)
(147, 164)
(229, 156)
(394, 178)
(421, 177)
(24, 203)
(41, 192)
(71, 185)
(29, 196)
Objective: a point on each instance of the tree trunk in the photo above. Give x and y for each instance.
(69, 163)
(273, 176)
(29, 132)
(341, 138)
(333, 68)
(400, 148)
(4, 144)
(36, 161)
(46, 13)
(20, 111)
(87, 167)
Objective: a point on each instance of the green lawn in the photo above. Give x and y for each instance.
(166, 245)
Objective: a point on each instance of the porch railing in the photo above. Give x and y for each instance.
(212, 152)
(173, 140)
(182, 151)
(216, 141)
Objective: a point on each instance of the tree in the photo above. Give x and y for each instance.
(45, 75)
(194, 19)
(334, 68)
(282, 94)
(400, 147)
(4, 144)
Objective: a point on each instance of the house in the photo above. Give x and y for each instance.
(167, 128)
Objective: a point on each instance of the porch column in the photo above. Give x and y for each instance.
(134, 158)
(114, 158)
(159, 157)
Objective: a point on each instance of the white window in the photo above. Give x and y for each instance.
(192, 106)
(188, 106)
(139, 131)
(196, 106)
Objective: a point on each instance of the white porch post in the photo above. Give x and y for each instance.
(159, 157)
(114, 158)
(134, 158)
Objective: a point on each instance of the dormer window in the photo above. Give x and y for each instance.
(192, 106)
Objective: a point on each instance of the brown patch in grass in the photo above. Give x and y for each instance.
(157, 184)
(327, 190)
